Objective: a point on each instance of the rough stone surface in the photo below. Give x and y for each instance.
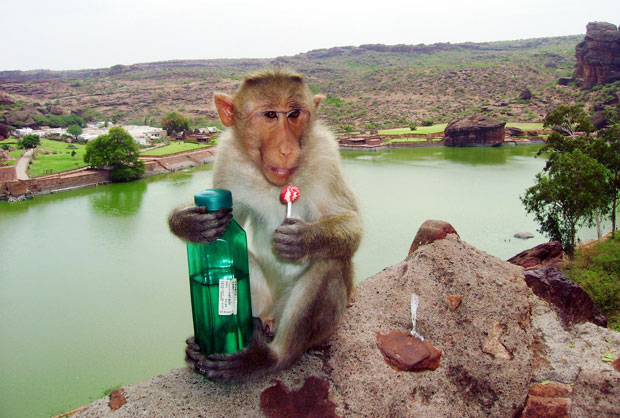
(493, 344)
(403, 351)
(616, 364)
(469, 383)
(512, 131)
(474, 131)
(598, 55)
(551, 390)
(430, 231)
(543, 255)
(573, 303)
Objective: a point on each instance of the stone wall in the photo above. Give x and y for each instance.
(77, 178)
(8, 173)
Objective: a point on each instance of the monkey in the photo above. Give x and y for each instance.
(301, 269)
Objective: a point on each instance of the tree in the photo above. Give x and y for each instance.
(118, 151)
(174, 122)
(607, 150)
(567, 195)
(74, 130)
(568, 120)
(31, 141)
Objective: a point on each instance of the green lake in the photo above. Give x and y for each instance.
(94, 291)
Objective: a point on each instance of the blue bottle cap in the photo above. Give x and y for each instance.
(214, 199)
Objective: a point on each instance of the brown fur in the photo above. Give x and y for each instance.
(301, 270)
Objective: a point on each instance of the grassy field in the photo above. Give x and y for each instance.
(420, 130)
(172, 148)
(526, 126)
(597, 270)
(59, 158)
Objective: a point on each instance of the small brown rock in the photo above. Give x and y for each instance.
(493, 346)
(616, 364)
(454, 301)
(539, 407)
(431, 230)
(117, 399)
(402, 351)
(551, 390)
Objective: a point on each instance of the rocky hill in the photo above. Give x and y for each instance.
(366, 86)
(504, 353)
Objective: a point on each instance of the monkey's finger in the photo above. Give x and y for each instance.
(195, 209)
(283, 238)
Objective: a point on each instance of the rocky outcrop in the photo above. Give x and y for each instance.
(474, 131)
(4, 131)
(571, 301)
(495, 344)
(543, 255)
(598, 55)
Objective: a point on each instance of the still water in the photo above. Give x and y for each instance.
(94, 290)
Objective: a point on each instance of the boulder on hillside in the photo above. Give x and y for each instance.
(55, 109)
(22, 117)
(474, 131)
(499, 340)
(5, 132)
(525, 94)
(598, 55)
(513, 131)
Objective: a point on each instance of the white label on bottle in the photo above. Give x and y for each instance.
(228, 297)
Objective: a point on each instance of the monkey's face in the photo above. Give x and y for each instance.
(274, 137)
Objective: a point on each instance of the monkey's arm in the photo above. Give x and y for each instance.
(194, 224)
(333, 236)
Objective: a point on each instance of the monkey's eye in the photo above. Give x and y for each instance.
(293, 114)
(270, 114)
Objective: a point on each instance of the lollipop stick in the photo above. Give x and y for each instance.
(288, 209)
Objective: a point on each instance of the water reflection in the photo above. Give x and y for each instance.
(120, 199)
(462, 155)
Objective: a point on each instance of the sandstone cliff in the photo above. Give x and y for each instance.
(496, 344)
(598, 55)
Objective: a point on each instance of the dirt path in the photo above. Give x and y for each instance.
(21, 166)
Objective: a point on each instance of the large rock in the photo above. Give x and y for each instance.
(543, 255)
(474, 131)
(495, 344)
(598, 55)
(572, 302)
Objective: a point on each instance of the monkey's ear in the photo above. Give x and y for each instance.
(225, 108)
(317, 99)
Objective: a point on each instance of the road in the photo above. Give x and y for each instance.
(21, 166)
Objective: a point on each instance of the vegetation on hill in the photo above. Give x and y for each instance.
(371, 86)
(597, 270)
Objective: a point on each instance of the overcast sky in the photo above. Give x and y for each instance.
(76, 34)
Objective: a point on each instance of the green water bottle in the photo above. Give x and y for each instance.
(219, 283)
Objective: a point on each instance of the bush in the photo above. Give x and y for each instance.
(30, 141)
(174, 122)
(427, 122)
(117, 150)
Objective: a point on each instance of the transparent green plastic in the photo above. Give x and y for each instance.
(210, 265)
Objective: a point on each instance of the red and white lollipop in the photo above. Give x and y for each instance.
(288, 195)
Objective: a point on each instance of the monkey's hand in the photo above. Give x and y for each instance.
(194, 224)
(290, 239)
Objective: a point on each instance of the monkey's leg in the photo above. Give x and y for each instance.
(309, 316)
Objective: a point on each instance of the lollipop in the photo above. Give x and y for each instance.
(288, 195)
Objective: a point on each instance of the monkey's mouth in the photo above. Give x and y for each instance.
(279, 173)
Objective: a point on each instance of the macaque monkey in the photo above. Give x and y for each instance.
(301, 272)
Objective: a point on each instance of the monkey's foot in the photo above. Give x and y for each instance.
(254, 361)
